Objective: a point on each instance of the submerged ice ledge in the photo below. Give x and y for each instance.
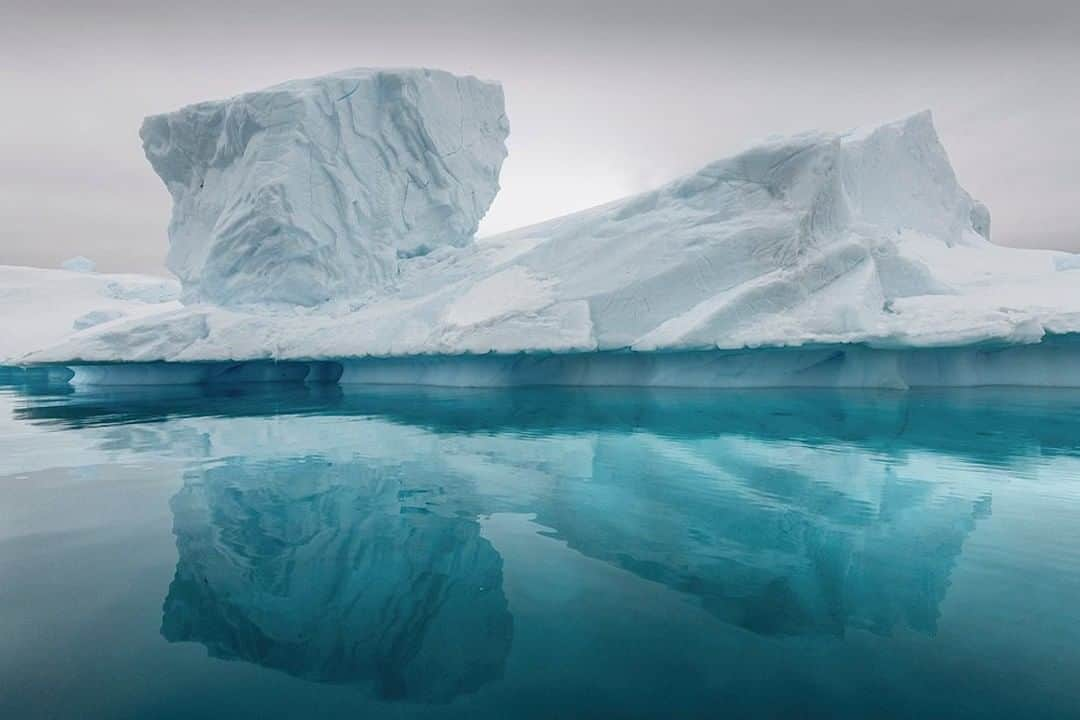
(210, 373)
(1055, 362)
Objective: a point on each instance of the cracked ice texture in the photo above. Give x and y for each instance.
(314, 189)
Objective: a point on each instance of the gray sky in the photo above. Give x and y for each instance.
(605, 98)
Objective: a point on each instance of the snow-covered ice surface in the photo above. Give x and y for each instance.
(42, 307)
(849, 259)
(311, 190)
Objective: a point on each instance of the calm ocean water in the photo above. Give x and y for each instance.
(399, 552)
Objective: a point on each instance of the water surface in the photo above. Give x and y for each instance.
(295, 551)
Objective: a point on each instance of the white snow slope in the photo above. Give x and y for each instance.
(40, 307)
(861, 238)
(311, 190)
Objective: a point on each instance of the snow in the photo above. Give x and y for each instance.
(43, 307)
(514, 290)
(315, 189)
(839, 258)
(97, 317)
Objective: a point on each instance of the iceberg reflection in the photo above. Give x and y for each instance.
(776, 540)
(336, 533)
(329, 573)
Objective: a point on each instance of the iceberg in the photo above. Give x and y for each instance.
(312, 190)
(328, 224)
(79, 264)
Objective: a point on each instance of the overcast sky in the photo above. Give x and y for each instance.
(604, 98)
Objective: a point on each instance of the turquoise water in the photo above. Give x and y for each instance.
(298, 551)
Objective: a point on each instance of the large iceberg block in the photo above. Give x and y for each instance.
(313, 189)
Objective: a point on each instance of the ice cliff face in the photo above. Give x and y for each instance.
(314, 189)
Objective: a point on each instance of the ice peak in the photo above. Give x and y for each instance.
(920, 121)
(898, 175)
